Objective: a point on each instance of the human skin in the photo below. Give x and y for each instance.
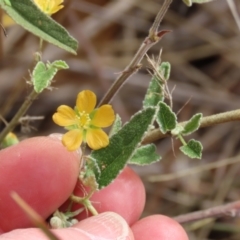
(44, 174)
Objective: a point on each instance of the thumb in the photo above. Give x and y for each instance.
(108, 225)
(105, 226)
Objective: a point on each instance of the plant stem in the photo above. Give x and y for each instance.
(13, 123)
(230, 209)
(35, 218)
(85, 202)
(90, 207)
(230, 116)
(153, 37)
(193, 170)
(182, 139)
(154, 29)
(40, 45)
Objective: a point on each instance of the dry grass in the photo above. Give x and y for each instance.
(203, 50)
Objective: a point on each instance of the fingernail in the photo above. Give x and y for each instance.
(57, 136)
(106, 225)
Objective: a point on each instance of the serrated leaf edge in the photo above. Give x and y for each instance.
(189, 121)
(143, 146)
(159, 123)
(198, 157)
(144, 134)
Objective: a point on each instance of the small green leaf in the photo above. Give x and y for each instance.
(177, 130)
(59, 64)
(155, 92)
(7, 2)
(145, 155)
(43, 74)
(41, 77)
(87, 176)
(165, 69)
(116, 125)
(30, 17)
(192, 125)
(112, 159)
(193, 149)
(166, 118)
(201, 1)
(188, 2)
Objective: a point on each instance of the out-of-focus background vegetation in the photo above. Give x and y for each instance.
(204, 51)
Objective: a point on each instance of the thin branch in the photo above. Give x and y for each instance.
(234, 12)
(31, 118)
(230, 209)
(13, 123)
(154, 29)
(230, 116)
(153, 37)
(36, 219)
(1, 38)
(193, 170)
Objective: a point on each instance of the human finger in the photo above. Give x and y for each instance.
(42, 172)
(157, 227)
(107, 226)
(125, 196)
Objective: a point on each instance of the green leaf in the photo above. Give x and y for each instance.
(7, 2)
(87, 175)
(59, 64)
(145, 155)
(192, 125)
(188, 2)
(201, 1)
(30, 17)
(155, 91)
(193, 149)
(177, 130)
(166, 118)
(165, 69)
(116, 125)
(43, 74)
(112, 159)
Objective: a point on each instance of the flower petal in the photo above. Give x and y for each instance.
(57, 6)
(103, 117)
(49, 6)
(65, 116)
(86, 101)
(42, 4)
(72, 139)
(96, 139)
(7, 21)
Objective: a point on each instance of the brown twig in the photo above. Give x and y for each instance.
(23, 109)
(230, 209)
(36, 219)
(205, 122)
(193, 170)
(153, 37)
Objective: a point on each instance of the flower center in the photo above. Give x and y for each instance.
(84, 120)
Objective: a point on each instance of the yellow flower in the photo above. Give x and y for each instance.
(7, 21)
(49, 6)
(84, 122)
(9, 140)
